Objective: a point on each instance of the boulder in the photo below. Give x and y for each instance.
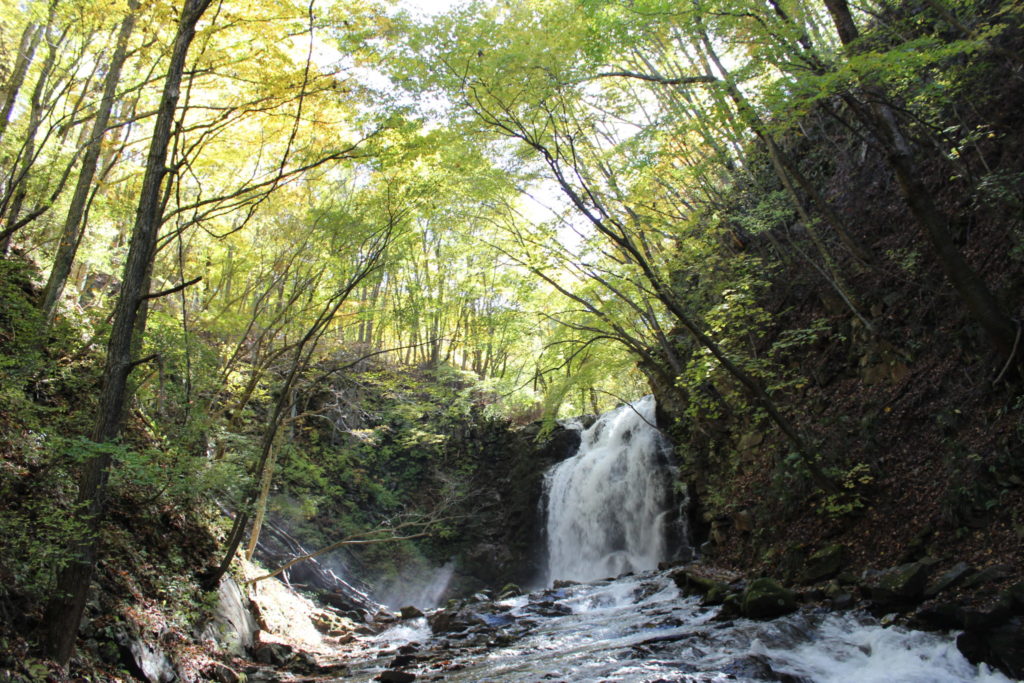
(146, 660)
(765, 599)
(1002, 647)
(824, 564)
(990, 574)
(899, 587)
(267, 650)
(221, 673)
(232, 625)
(948, 579)
(411, 612)
(396, 677)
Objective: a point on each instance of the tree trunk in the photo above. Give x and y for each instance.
(26, 51)
(64, 612)
(980, 300)
(74, 227)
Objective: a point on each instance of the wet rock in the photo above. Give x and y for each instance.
(948, 579)
(509, 590)
(450, 619)
(939, 616)
(691, 581)
(899, 587)
(550, 608)
(716, 595)
(1002, 647)
(411, 612)
(232, 625)
(983, 617)
(402, 661)
(562, 583)
(758, 668)
(824, 564)
(765, 598)
(396, 677)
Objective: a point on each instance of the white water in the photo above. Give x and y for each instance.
(607, 505)
(606, 516)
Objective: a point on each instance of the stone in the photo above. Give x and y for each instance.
(221, 673)
(1002, 647)
(396, 677)
(232, 625)
(509, 590)
(562, 583)
(939, 616)
(270, 651)
(146, 660)
(899, 587)
(411, 612)
(716, 595)
(948, 579)
(689, 581)
(765, 599)
(990, 574)
(743, 521)
(824, 564)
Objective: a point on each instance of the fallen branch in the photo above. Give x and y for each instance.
(359, 539)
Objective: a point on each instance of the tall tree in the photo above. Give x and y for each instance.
(64, 613)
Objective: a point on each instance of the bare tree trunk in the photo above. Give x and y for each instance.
(74, 227)
(64, 612)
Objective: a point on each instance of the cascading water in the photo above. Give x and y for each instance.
(607, 505)
(608, 509)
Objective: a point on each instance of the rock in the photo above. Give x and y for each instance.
(824, 564)
(411, 612)
(145, 660)
(561, 583)
(269, 651)
(402, 661)
(988, 616)
(396, 677)
(232, 625)
(948, 579)
(222, 673)
(766, 598)
(509, 590)
(939, 616)
(990, 574)
(689, 581)
(899, 587)
(1002, 647)
(1016, 595)
(743, 521)
(716, 595)
(749, 441)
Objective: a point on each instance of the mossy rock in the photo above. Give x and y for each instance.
(767, 598)
(824, 564)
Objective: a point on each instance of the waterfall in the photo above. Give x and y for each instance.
(607, 506)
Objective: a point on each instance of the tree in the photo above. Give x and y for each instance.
(64, 612)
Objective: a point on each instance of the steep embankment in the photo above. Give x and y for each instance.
(915, 416)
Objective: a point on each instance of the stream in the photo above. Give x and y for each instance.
(640, 628)
(609, 513)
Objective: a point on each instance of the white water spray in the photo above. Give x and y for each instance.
(608, 504)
